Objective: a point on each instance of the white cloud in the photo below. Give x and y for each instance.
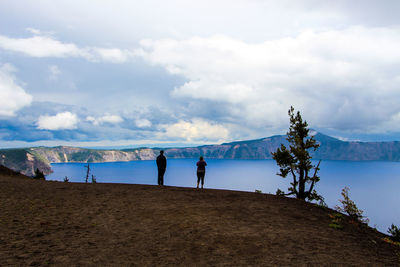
(143, 123)
(12, 96)
(40, 46)
(112, 119)
(195, 130)
(344, 79)
(33, 31)
(113, 55)
(54, 72)
(38, 32)
(61, 121)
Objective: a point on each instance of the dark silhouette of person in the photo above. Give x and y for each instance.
(201, 171)
(161, 166)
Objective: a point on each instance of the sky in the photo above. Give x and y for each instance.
(182, 73)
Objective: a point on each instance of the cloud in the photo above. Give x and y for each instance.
(195, 130)
(143, 123)
(112, 119)
(41, 46)
(344, 79)
(33, 31)
(54, 72)
(12, 96)
(61, 121)
(38, 32)
(113, 55)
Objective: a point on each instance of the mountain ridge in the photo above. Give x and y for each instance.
(26, 160)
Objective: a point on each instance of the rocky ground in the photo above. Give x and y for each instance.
(55, 223)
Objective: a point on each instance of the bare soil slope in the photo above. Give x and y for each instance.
(54, 223)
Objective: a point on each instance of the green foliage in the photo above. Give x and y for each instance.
(66, 180)
(348, 206)
(336, 221)
(394, 231)
(258, 191)
(61, 156)
(39, 156)
(279, 192)
(39, 175)
(86, 156)
(16, 155)
(336, 226)
(296, 160)
(94, 179)
(322, 203)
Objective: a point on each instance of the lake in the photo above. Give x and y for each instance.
(374, 185)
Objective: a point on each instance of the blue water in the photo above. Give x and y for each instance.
(374, 186)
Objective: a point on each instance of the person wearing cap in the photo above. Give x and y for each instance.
(161, 166)
(201, 171)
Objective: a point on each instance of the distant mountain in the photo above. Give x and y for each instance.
(28, 159)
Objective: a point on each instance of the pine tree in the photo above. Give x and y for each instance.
(39, 174)
(296, 160)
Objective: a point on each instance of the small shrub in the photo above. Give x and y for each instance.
(66, 180)
(93, 179)
(336, 226)
(390, 241)
(279, 192)
(336, 220)
(394, 231)
(258, 191)
(39, 175)
(349, 207)
(321, 203)
(336, 216)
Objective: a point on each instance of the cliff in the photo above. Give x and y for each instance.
(28, 159)
(24, 160)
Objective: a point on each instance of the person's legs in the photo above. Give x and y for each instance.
(161, 176)
(202, 179)
(198, 179)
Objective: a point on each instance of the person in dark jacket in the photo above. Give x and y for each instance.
(201, 171)
(161, 165)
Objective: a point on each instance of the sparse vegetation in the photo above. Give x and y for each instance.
(390, 241)
(93, 179)
(258, 191)
(297, 160)
(336, 221)
(39, 175)
(394, 231)
(86, 155)
(66, 180)
(348, 206)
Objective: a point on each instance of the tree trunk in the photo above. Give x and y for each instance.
(302, 185)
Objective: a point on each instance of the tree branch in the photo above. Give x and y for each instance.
(294, 182)
(313, 180)
(288, 194)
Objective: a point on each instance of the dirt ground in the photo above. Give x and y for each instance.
(72, 224)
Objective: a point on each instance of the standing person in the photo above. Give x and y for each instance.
(161, 166)
(201, 171)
